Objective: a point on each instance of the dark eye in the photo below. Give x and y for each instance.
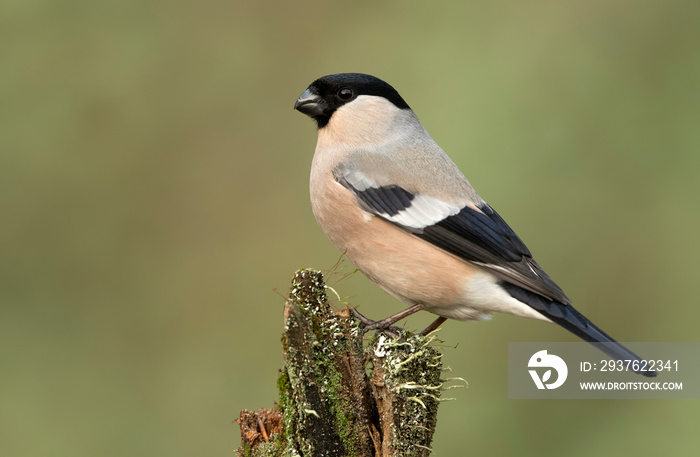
(345, 94)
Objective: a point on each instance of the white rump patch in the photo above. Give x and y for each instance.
(483, 293)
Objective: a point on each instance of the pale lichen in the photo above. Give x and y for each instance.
(340, 399)
(410, 370)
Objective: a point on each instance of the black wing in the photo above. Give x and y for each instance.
(476, 234)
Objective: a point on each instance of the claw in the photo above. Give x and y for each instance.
(383, 326)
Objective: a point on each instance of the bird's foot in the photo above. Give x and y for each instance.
(385, 325)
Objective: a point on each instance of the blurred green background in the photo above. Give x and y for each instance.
(154, 183)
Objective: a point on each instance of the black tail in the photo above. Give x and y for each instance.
(575, 322)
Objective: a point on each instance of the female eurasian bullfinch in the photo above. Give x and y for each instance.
(389, 197)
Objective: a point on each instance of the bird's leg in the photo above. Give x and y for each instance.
(385, 325)
(432, 327)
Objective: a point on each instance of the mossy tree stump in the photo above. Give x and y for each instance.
(338, 398)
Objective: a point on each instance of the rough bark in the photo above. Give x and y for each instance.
(338, 398)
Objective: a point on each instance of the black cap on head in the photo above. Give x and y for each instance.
(325, 95)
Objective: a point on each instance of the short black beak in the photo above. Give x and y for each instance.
(310, 104)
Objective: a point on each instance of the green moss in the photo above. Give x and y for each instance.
(324, 389)
(343, 413)
(325, 345)
(411, 370)
(283, 387)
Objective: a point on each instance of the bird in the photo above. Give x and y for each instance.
(404, 214)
